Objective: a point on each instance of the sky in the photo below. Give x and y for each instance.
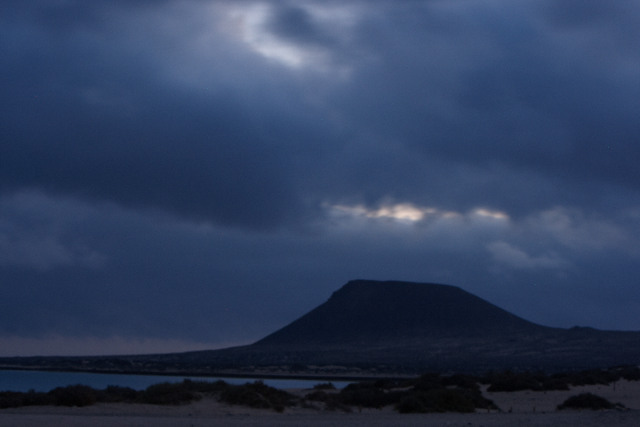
(193, 174)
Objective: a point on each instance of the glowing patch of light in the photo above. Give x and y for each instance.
(401, 212)
(487, 213)
(409, 213)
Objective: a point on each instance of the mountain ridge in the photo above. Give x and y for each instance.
(426, 326)
(374, 311)
(393, 327)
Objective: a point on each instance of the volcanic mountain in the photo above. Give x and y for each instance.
(395, 327)
(366, 312)
(403, 326)
(422, 326)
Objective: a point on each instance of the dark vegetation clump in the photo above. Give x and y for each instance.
(435, 393)
(257, 395)
(588, 401)
(114, 394)
(169, 394)
(16, 399)
(180, 393)
(427, 393)
(73, 395)
(538, 381)
(462, 380)
(629, 373)
(516, 381)
(324, 386)
(368, 395)
(331, 401)
(591, 377)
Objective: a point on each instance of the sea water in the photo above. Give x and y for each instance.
(11, 380)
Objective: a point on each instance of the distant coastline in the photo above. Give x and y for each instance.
(257, 374)
(601, 397)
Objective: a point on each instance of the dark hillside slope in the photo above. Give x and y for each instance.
(364, 311)
(433, 327)
(392, 327)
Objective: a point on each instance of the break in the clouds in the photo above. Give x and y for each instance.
(198, 173)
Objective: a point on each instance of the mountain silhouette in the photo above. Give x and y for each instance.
(365, 311)
(392, 327)
(424, 326)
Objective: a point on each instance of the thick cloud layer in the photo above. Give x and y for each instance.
(198, 173)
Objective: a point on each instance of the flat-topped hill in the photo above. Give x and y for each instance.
(365, 311)
(392, 327)
(432, 327)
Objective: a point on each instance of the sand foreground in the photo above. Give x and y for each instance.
(524, 408)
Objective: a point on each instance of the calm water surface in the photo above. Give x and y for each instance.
(45, 381)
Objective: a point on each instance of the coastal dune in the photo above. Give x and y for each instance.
(527, 408)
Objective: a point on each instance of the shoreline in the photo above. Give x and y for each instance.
(283, 375)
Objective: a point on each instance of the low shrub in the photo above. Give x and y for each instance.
(257, 395)
(515, 381)
(593, 377)
(368, 395)
(35, 398)
(462, 381)
(629, 373)
(554, 383)
(114, 393)
(588, 401)
(206, 387)
(427, 382)
(169, 394)
(319, 396)
(73, 395)
(15, 399)
(443, 400)
(324, 386)
(331, 401)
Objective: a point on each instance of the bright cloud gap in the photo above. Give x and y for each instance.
(408, 213)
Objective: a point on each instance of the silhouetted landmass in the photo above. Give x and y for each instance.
(391, 327)
(428, 327)
(370, 312)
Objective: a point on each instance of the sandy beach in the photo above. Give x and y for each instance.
(527, 408)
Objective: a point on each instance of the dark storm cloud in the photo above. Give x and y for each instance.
(293, 22)
(590, 13)
(206, 171)
(497, 91)
(474, 93)
(86, 117)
